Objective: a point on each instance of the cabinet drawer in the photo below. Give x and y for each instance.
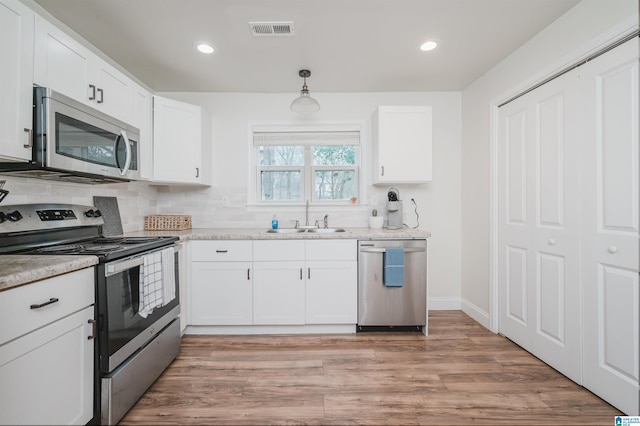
(278, 250)
(332, 250)
(74, 292)
(221, 250)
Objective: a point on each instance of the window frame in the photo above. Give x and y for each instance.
(308, 170)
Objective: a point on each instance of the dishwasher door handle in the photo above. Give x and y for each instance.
(382, 250)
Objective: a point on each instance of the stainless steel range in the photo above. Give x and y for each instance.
(137, 302)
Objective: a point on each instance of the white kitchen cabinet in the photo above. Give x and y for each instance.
(177, 141)
(142, 118)
(279, 282)
(67, 66)
(47, 352)
(16, 79)
(331, 282)
(221, 283)
(402, 144)
(305, 282)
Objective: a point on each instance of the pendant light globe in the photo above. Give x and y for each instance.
(305, 104)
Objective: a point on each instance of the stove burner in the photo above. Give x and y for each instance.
(125, 240)
(102, 248)
(63, 248)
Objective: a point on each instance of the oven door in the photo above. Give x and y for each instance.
(122, 330)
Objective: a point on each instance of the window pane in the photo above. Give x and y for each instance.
(280, 185)
(334, 184)
(280, 156)
(338, 155)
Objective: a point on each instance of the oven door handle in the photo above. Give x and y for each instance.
(117, 267)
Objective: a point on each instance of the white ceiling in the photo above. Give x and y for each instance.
(349, 45)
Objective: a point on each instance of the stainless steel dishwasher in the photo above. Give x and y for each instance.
(383, 306)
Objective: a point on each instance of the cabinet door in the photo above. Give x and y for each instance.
(16, 79)
(142, 118)
(332, 292)
(402, 144)
(278, 293)
(62, 63)
(176, 141)
(114, 91)
(221, 293)
(610, 227)
(46, 377)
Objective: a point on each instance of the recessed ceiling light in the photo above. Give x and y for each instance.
(204, 47)
(428, 45)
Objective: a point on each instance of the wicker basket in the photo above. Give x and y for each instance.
(167, 222)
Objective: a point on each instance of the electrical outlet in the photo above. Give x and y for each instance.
(225, 200)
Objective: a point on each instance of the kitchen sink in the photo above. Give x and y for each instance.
(285, 231)
(325, 230)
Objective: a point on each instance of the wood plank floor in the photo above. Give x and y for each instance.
(459, 374)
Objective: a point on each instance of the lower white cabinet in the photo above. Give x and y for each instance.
(221, 283)
(305, 282)
(46, 372)
(273, 282)
(332, 292)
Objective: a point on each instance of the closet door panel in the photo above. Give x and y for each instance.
(610, 238)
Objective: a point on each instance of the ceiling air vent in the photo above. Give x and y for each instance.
(271, 29)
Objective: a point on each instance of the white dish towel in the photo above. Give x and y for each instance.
(157, 281)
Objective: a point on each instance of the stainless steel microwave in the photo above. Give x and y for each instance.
(74, 142)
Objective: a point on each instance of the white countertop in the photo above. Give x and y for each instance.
(17, 270)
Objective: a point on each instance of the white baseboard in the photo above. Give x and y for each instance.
(476, 313)
(444, 303)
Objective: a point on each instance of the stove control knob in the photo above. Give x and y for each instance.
(90, 213)
(14, 216)
(97, 213)
(3, 217)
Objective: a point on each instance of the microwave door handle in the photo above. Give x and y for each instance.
(127, 145)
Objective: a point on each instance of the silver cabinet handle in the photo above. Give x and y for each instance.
(300, 273)
(248, 274)
(612, 249)
(93, 92)
(197, 172)
(308, 273)
(382, 170)
(222, 251)
(101, 100)
(30, 143)
(93, 329)
(42, 305)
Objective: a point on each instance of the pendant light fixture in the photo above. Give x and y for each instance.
(305, 104)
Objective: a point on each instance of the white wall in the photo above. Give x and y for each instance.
(589, 23)
(226, 119)
(135, 199)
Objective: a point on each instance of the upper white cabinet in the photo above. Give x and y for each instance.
(67, 66)
(142, 118)
(402, 144)
(16, 79)
(177, 141)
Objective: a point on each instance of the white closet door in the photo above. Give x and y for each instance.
(610, 261)
(539, 246)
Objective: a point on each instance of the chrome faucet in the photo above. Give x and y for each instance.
(306, 215)
(326, 220)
